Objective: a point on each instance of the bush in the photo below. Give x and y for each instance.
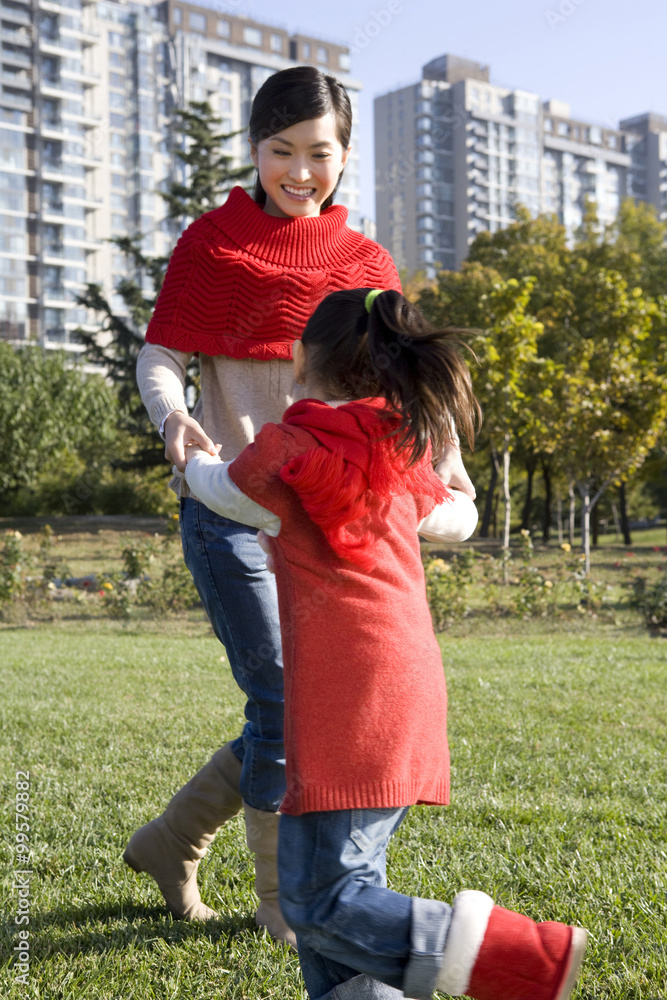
(77, 489)
(651, 600)
(14, 562)
(447, 588)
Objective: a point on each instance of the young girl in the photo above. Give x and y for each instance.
(240, 286)
(343, 485)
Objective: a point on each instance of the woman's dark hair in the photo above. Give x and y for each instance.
(297, 95)
(393, 352)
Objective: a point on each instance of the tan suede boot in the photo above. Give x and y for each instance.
(170, 847)
(262, 838)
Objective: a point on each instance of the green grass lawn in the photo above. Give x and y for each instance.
(558, 806)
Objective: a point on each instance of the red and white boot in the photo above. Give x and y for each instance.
(495, 954)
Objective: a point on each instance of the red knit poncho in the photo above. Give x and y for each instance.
(243, 283)
(365, 696)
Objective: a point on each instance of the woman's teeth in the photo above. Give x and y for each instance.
(299, 192)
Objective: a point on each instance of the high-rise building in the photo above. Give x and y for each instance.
(88, 94)
(455, 154)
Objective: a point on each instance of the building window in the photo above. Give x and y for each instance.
(563, 128)
(612, 141)
(548, 125)
(252, 36)
(344, 60)
(197, 22)
(595, 135)
(305, 50)
(276, 43)
(224, 29)
(322, 55)
(115, 40)
(177, 15)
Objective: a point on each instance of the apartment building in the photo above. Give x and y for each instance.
(88, 91)
(456, 153)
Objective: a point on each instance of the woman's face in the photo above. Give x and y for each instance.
(299, 167)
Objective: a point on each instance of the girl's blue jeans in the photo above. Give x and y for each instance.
(240, 599)
(357, 939)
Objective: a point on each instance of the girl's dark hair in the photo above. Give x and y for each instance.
(297, 95)
(393, 352)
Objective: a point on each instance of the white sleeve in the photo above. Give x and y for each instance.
(451, 521)
(209, 480)
(161, 381)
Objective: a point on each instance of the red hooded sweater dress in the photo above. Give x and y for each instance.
(365, 695)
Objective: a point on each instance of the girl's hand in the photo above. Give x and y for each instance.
(191, 449)
(181, 429)
(265, 545)
(452, 471)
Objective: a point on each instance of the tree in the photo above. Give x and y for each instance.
(507, 352)
(209, 174)
(610, 388)
(505, 342)
(48, 410)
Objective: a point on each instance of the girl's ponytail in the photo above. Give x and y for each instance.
(364, 342)
(421, 372)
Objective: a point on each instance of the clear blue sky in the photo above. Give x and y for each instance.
(606, 58)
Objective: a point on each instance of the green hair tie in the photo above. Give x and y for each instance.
(371, 297)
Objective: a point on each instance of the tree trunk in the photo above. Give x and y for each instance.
(617, 526)
(531, 465)
(490, 493)
(559, 511)
(548, 502)
(584, 489)
(595, 525)
(570, 490)
(507, 499)
(625, 523)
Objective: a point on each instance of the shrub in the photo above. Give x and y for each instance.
(14, 563)
(447, 588)
(651, 600)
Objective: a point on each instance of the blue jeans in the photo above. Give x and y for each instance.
(356, 937)
(241, 601)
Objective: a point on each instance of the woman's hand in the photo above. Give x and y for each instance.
(180, 430)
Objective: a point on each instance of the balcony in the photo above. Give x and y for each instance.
(15, 37)
(14, 15)
(15, 59)
(17, 101)
(57, 86)
(55, 334)
(22, 81)
(58, 43)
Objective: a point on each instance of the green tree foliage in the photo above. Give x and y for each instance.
(575, 371)
(49, 411)
(203, 152)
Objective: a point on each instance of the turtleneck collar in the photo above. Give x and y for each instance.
(312, 242)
